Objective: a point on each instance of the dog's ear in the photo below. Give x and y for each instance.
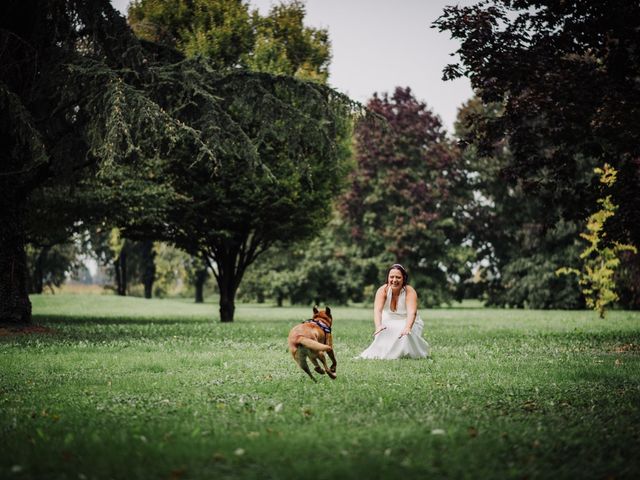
(315, 309)
(327, 310)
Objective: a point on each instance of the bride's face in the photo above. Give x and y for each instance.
(395, 278)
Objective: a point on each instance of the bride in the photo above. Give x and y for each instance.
(398, 325)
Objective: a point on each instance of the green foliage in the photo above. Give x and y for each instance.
(131, 388)
(229, 35)
(279, 167)
(280, 158)
(322, 271)
(175, 271)
(135, 135)
(601, 256)
(284, 45)
(221, 30)
(528, 280)
(49, 265)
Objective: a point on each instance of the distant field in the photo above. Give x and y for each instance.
(128, 388)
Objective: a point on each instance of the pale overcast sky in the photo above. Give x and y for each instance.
(380, 44)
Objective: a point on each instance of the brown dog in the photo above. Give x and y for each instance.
(311, 339)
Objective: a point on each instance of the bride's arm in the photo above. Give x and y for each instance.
(378, 305)
(412, 310)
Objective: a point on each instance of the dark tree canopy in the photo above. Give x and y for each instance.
(72, 79)
(566, 74)
(518, 253)
(278, 190)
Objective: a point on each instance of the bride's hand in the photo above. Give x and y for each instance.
(406, 331)
(378, 330)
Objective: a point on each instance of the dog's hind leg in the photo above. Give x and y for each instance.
(301, 360)
(330, 372)
(314, 360)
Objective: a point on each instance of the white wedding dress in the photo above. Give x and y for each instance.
(386, 345)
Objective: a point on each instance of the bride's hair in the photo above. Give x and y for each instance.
(405, 275)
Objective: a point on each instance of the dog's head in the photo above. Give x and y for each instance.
(323, 315)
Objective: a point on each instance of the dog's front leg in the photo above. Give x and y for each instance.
(331, 354)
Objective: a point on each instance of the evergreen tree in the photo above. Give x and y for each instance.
(72, 93)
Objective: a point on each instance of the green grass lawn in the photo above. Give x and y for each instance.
(127, 388)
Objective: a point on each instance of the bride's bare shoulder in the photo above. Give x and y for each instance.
(411, 290)
(382, 290)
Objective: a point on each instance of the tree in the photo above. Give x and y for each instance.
(279, 192)
(284, 45)
(197, 274)
(232, 211)
(72, 93)
(221, 30)
(323, 270)
(403, 198)
(230, 35)
(564, 73)
(519, 240)
(49, 265)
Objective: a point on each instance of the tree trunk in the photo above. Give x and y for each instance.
(149, 269)
(227, 303)
(228, 280)
(15, 307)
(121, 273)
(38, 272)
(231, 264)
(201, 278)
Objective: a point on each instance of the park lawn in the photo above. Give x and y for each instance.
(127, 388)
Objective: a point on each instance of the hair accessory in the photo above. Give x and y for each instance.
(405, 275)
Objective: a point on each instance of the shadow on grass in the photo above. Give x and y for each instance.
(137, 320)
(193, 330)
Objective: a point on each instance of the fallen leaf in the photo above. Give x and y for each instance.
(177, 473)
(219, 457)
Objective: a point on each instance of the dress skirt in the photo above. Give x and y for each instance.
(387, 346)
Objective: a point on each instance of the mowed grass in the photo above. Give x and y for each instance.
(127, 388)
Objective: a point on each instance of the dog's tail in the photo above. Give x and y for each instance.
(313, 345)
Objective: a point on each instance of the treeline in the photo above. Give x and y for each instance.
(212, 130)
